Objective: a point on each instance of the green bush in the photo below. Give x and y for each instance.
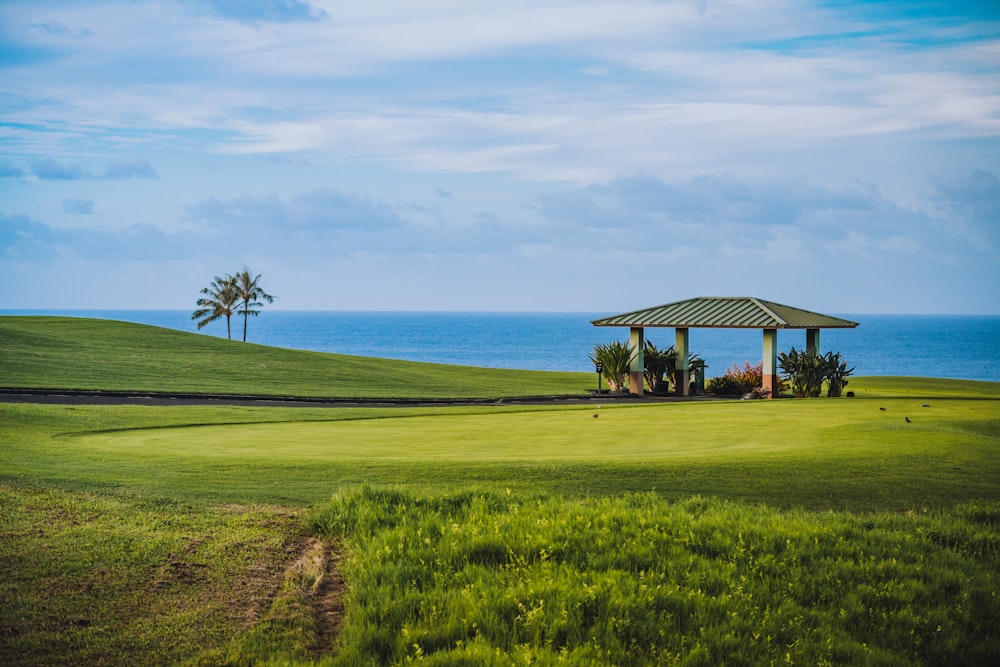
(615, 359)
(808, 370)
(725, 386)
(836, 374)
(656, 363)
(738, 381)
(805, 372)
(660, 367)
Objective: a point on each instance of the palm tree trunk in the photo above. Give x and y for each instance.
(245, 315)
(229, 333)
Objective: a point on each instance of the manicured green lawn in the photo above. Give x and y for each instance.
(820, 454)
(820, 531)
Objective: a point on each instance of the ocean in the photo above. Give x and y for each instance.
(947, 346)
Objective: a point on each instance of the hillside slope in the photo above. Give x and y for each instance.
(80, 353)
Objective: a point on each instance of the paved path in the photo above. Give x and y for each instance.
(85, 397)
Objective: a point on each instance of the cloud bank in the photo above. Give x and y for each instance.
(522, 155)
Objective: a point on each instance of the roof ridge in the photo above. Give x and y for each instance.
(726, 312)
(782, 321)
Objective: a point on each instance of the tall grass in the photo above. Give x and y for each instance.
(497, 579)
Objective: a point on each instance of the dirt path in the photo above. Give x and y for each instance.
(317, 574)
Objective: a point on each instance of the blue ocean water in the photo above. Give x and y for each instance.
(964, 346)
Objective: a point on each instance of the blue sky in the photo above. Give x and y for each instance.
(589, 156)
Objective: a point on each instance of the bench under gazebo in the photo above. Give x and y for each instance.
(720, 313)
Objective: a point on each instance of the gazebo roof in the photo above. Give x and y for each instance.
(725, 312)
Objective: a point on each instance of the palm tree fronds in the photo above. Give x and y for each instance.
(220, 298)
(251, 296)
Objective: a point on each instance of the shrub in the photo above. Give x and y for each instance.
(656, 363)
(615, 359)
(808, 370)
(804, 370)
(738, 381)
(660, 367)
(724, 386)
(836, 374)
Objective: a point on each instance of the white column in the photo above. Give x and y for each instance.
(636, 342)
(771, 361)
(681, 374)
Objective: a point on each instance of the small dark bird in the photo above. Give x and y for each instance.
(924, 405)
(882, 409)
(907, 419)
(596, 416)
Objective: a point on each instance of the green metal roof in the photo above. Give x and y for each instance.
(725, 312)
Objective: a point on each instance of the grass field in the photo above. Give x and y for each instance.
(819, 531)
(75, 353)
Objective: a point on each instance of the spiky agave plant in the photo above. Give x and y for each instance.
(836, 374)
(615, 359)
(805, 371)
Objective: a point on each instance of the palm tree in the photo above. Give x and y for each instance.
(218, 300)
(251, 296)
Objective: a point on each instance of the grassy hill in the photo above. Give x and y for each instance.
(78, 353)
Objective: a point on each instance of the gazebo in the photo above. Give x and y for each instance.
(720, 313)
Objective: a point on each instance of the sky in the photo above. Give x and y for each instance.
(529, 155)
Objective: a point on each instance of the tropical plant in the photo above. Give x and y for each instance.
(724, 385)
(739, 381)
(657, 362)
(696, 368)
(660, 367)
(615, 359)
(217, 301)
(695, 365)
(251, 296)
(836, 374)
(808, 370)
(804, 370)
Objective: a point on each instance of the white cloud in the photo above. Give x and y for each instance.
(565, 135)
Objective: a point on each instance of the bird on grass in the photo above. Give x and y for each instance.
(907, 419)
(882, 409)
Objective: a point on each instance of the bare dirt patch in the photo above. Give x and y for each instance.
(318, 573)
(90, 579)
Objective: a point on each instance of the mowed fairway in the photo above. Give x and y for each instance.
(821, 454)
(668, 431)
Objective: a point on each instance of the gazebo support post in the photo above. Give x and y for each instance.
(638, 365)
(770, 362)
(812, 340)
(681, 373)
